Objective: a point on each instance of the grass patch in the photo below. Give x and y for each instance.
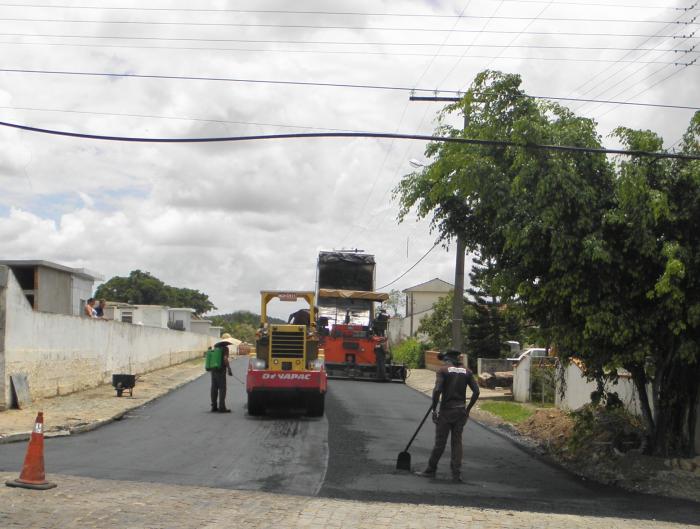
(508, 411)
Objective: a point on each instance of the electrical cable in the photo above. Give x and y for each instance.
(346, 43)
(387, 135)
(412, 267)
(154, 116)
(310, 26)
(649, 87)
(495, 31)
(333, 52)
(620, 59)
(305, 12)
(318, 84)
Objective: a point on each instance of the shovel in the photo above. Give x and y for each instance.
(403, 462)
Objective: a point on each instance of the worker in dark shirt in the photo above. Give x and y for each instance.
(451, 383)
(218, 377)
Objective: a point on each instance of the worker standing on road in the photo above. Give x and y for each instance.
(451, 383)
(218, 377)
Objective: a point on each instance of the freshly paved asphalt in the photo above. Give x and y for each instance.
(350, 453)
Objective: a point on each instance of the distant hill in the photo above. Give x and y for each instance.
(241, 316)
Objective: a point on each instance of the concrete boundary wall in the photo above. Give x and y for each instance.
(62, 354)
(521, 380)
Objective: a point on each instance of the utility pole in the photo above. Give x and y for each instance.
(458, 295)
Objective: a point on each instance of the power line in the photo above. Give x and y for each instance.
(383, 135)
(620, 60)
(350, 43)
(412, 267)
(493, 31)
(314, 12)
(355, 28)
(312, 83)
(180, 118)
(344, 52)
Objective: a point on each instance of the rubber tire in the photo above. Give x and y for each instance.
(316, 405)
(256, 405)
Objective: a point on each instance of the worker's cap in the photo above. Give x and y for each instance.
(450, 354)
(226, 336)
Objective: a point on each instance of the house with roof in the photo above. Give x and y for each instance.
(52, 287)
(419, 304)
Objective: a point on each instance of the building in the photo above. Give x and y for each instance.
(52, 287)
(419, 304)
(180, 319)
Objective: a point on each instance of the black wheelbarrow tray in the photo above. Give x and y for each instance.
(122, 382)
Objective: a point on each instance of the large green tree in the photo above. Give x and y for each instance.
(601, 254)
(142, 288)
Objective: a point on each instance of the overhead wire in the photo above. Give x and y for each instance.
(376, 135)
(411, 268)
(458, 93)
(199, 39)
(412, 44)
(592, 79)
(315, 26)
(180, 118)
(337, 52)
(630, 77)
(310, 12)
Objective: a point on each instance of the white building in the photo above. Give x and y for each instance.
(419, 304)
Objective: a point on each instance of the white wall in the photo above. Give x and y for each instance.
(578, 390)
(61, 354)
(81, 291)
(200, 326)
(151, 316)
(521, 380)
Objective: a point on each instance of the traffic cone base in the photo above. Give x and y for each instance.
(32, 475)
(36, 486)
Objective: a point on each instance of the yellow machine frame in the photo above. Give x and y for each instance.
(287, 341)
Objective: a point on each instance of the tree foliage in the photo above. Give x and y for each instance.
(438, 325)
(602, 255)
(396, 302)
(141, 288)
(494, 319)
(241, 324)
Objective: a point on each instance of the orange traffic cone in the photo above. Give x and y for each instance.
(32, 476)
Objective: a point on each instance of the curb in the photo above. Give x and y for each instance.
(65, 431)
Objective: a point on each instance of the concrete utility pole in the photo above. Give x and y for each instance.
(458, 297)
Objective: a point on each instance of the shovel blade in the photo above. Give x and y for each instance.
(403, 462)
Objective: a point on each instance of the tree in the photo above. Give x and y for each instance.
(396, 302)
(141, 288)
(494, 318)
(602, 257)
(438, 325)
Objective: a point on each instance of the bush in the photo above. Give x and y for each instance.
(597, 426)
(409, 352)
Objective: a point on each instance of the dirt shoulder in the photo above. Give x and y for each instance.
(86, 410)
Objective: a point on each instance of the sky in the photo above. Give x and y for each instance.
(231, 219)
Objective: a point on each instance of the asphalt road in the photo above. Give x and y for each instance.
(350, 453)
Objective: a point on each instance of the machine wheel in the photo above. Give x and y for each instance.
(315, 405)
(256, 404)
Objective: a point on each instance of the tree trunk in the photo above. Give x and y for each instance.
(674, 432)
(639, 378)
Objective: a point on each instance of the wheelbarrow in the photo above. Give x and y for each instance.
(122, 382)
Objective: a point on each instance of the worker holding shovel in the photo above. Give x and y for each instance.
(451, 382)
